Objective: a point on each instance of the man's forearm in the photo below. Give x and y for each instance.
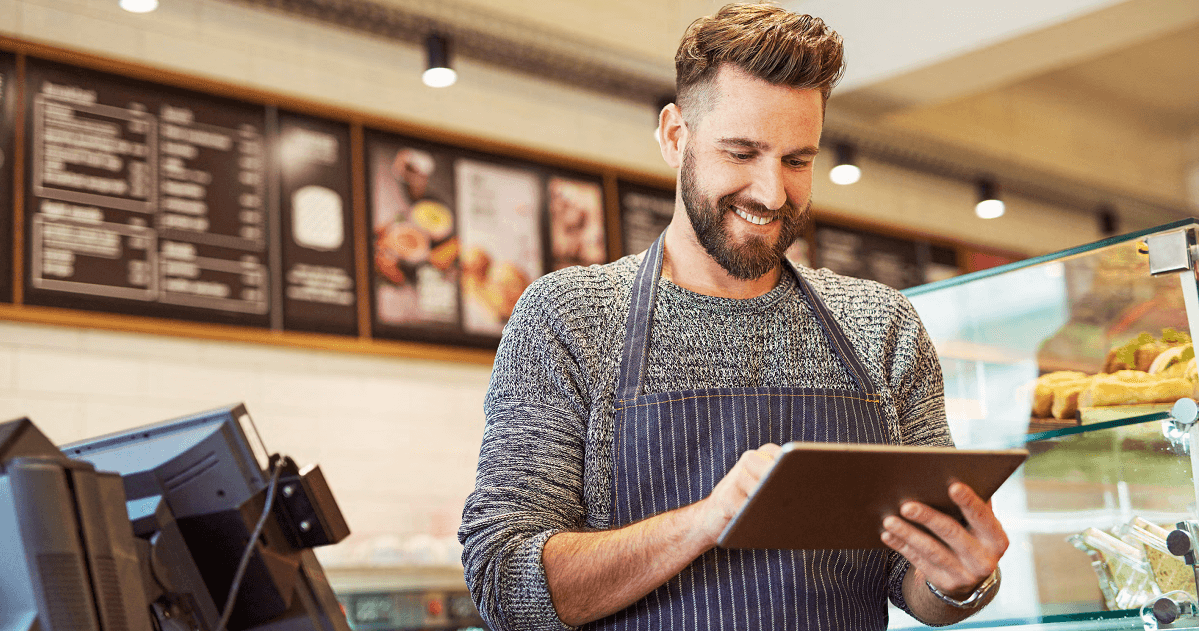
(927, 607)
(594, 574)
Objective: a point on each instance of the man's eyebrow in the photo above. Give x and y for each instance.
(761, 146)
(744, 142)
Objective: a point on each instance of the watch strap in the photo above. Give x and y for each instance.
(975, 599)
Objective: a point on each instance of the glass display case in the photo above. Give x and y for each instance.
(1080, 356)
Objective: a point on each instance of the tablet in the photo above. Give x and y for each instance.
(835, 495)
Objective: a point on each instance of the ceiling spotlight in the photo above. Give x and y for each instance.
(845, 171)
(439, 73)
(989, 205)
(139, 6)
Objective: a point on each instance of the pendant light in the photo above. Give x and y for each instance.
(438, 74)
(139, 6)
(989, 205)
(846, 171)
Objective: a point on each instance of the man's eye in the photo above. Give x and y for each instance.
(742, 156)
(798, 164)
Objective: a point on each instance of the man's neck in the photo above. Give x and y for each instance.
(687, 264)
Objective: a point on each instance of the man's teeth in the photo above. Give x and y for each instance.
(761, 221)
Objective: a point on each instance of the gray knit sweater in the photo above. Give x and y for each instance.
(546, 461)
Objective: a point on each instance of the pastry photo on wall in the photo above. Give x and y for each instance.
(413, 232)
(576, 222)
(499, 210)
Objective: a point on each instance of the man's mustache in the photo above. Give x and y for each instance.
(753, 207)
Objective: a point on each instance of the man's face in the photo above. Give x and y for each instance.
(746, 174)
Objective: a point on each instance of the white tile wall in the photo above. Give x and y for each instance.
(398, 439)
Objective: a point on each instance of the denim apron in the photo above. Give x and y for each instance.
(670, 449)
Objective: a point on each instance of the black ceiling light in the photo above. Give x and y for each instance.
(1109, 224)
(989, 205)
(846, 170)
(438, 73)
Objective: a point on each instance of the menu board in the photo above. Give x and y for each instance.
(317, 244)
(575, 221)
(144, 199)
(899, 263)
(644, 214)
(8, 101)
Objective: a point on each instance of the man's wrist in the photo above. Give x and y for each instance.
(698, 533)
(973, 600)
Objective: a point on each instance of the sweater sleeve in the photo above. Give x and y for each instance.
(529, 484)
(918, 389)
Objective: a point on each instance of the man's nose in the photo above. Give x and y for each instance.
(768, 187)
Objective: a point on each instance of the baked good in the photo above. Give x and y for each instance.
(1133, 386)
(1140, 352)
(1066, 397)
(1043, 395)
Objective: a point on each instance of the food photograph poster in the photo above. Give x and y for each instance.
(499, 213)
(576, 222)
(414, 234)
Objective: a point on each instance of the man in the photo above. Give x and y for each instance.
(629, 415)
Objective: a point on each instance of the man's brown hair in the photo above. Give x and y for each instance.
(763, 40)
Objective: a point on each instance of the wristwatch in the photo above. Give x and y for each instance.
(975, 599)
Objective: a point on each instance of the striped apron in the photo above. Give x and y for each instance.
(670, 450)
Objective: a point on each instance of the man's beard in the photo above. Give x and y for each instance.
(756, 256)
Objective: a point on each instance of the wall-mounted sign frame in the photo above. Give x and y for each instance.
(144, 199)
(151, 201)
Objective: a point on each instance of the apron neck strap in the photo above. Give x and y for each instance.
(639, 325)
(640, 322)
(834, 333)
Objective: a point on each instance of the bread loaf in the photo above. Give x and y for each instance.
(1133, 386)
(1045, 393)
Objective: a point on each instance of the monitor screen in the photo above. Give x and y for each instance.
(201, 464)
(210, 469)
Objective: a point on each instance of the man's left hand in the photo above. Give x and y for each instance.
(959, 557)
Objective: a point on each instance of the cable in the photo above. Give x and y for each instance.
(276, 468)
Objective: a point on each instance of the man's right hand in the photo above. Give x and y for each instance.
(594, 574)
(731, 493)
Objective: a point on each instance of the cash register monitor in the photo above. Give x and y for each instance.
(68, 559)
(209, 471)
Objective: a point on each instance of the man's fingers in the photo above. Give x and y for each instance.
(980, 516)
(757, 461)
(938, 564)
(751, 467)
(946, 528)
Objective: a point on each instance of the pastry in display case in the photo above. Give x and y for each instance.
(1085, 358)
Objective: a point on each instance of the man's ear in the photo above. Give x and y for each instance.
(672, 135)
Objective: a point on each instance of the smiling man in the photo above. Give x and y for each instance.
(635, 405)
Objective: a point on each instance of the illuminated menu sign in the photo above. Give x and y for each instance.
(145, 199)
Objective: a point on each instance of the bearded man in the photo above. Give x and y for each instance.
(635, 405)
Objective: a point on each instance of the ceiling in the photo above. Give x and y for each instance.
(1053, 94)
(1159, 77)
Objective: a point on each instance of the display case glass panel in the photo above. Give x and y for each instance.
(1079, 356)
